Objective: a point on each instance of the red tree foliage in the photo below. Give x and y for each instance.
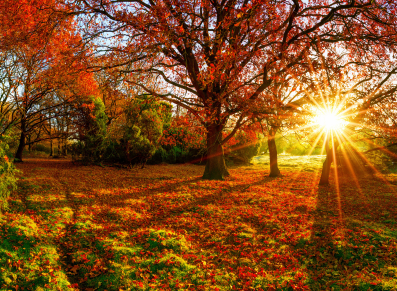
(47, 51)
(216, 58)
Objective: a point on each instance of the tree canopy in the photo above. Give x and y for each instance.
(216, 58)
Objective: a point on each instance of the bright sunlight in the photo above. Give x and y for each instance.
(329, 120)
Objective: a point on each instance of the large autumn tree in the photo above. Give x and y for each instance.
(215, 58)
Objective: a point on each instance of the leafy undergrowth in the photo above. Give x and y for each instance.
(73, 227)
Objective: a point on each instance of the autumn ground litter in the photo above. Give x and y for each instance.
(74, 227)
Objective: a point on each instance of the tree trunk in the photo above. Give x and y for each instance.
(21, 146)
(65, 146)
(50, 133)
(65, 150)
(324, 179)
(271, 142)
(215, 168)
(29, 144)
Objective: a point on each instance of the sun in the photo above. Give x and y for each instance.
(329, 121)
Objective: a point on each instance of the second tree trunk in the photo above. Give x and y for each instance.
(271, 142)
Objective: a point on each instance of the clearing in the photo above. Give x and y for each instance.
(74, 227)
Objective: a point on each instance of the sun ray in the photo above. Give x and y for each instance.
(373, 168)
(333, 136)
(317, 140)
(350, 167)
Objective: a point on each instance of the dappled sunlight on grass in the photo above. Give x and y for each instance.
(303, 163)
(164, 228)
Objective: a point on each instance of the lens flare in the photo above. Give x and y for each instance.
(329, 121)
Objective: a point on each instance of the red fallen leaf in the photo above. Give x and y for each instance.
(74, 269)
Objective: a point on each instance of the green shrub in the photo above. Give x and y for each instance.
(114, 152)
(159, 156)
(93, 142)
(140, 133)
(384, 161)
(8, 181)
(176, 155)
(42, 148)
(137, 146)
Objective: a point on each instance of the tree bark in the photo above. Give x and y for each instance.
(271, 142)
(65, 150)
(65, 146)
(50, 133)
(29, 144)
(215, 168)
(21, 146)
(324, 179)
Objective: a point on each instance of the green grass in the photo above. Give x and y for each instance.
(27, 260)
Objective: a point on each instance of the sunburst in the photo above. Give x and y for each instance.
(328, 120)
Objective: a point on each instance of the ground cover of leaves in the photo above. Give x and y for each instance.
(74, 227)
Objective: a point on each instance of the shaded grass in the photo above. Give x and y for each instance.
(112, 229)
(28, 260)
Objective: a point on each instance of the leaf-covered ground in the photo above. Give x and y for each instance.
(73, 227)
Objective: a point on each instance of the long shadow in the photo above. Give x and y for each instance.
(321, 254)
(119, 199)
(66, 249)
(217, 196)
(345, 243)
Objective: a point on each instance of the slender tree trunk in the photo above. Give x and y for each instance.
(324, 179)
(29, 144)
(271, 142)
(21, 146)
(178, 109)
(66, 137)
(65, 150)
(215, 168)
(65, 146)
(50, 133)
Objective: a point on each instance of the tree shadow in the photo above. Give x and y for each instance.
(346, 241)
(218, 196)
(327, 219)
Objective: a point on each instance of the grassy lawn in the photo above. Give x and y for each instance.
(73, 227)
